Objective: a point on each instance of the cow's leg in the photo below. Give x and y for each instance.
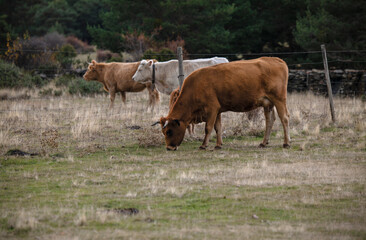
(211, 119)
(112, 95)
(270, 119)
(218, 129)
(123, 96)
(189, 128)
(285, 117)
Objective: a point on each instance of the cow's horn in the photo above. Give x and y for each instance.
(166, 123)
(155, 123)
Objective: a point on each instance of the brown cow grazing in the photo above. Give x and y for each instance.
(117, 77)
(238, 86)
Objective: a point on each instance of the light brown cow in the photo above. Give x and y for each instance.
(117, 77)
(238, 86)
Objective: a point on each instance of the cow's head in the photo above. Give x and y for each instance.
(91, 72)
(173, 131)
(143, 73)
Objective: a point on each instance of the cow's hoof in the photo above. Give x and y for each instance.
(285, 145)
(217, 147)
(202, 148)
(262, 145)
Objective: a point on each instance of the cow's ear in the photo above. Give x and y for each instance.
(150, 62)
(162, 121)
(94, 62)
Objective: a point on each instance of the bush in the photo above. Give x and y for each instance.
(9, 74)
(150, 54)
(66, 55)
(57, 93)
(33, 54)
(115, 59)
(49, 69)
(46, 92)
(13, 77)
(82, 87)
(164, 54)
(363, 98)
(54, 40)
(31, 81)
(108, 56)
(64, 80)
(80, 46)
(103, 55)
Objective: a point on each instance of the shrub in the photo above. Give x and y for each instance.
(103, 55)
(13, 77)
(57, 93)
(66, 55)
(82, 87)
(9, 74)
(45, 92)
(64, 80)
(174, 44)
(49, 69)
(150, 54)
(31, 81)
(115, 59)
(33, 54)
(363, 98)
(54, 40)
(80, 46)
(164, 54)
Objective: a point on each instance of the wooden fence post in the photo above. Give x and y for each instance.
(180, 63)
(327, 78)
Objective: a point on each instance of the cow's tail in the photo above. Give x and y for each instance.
(154, 97)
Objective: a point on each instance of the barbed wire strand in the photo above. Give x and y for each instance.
(197, 54)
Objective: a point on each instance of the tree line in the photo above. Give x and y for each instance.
(203, 26)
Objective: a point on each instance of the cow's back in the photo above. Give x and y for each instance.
(192, 65)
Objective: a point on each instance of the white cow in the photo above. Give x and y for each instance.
(166, 73)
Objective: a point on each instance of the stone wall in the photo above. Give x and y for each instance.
(344, 82)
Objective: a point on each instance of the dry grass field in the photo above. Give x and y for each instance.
(105, 174)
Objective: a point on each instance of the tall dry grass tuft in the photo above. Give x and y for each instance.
(81, 218)
(23, 221)
(90, 214)
(4, 137)
(85, 123)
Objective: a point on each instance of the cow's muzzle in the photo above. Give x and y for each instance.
(171, 148)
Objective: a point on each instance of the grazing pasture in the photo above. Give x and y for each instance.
(105, 174)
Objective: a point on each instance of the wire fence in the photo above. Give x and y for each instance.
(346, 82)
